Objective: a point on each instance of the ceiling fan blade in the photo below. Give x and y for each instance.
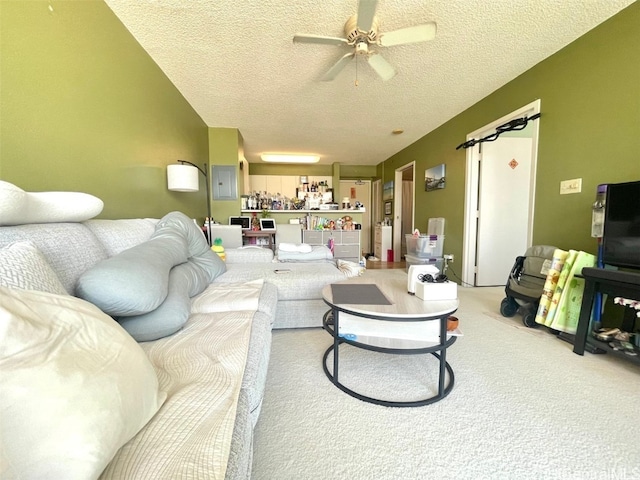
(381, 66)
(337, 68)
(366, 11)
(417, 33)
(305, 38)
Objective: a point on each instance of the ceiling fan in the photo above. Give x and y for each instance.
(362, 36)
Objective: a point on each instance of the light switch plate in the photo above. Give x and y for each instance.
(571, 186)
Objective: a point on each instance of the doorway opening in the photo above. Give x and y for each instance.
(499, 200)
(403, 208)
(360, 190)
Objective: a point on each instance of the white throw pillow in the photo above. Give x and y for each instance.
(75, 387)
(18, 207)
(23, 266)
(350, 269)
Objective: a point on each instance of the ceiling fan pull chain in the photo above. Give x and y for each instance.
(356, 82)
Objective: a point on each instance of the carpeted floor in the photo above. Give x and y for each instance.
(524, 406)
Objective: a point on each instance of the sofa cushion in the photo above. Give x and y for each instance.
(70, 248)
(302, 281)
(249, 254)
(315, 253)
(119, 235)
(201, 368)
(75, 386)
(223, 297)
(23, 266)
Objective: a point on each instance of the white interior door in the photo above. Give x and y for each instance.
(503, 206)
(485, 264)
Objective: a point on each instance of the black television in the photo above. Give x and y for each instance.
(621, 237)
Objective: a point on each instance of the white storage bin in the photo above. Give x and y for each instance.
(435, 226)
(425, 245)
(437, 291)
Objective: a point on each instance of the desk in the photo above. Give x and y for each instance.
(268, 234)
(610, 282)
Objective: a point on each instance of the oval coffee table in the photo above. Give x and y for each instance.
(385, 318)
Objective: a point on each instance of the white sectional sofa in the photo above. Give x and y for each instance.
(190, 434)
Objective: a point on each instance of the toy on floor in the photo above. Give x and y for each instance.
(219, 249)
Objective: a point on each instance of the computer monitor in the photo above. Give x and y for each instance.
(244, 222)
(267, 224)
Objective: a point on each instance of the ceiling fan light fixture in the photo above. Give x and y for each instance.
(289, 158)
(362, 35)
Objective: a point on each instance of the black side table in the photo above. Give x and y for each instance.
(610, 282)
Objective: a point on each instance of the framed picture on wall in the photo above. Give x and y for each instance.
(387, 191)
(387, 208)
(434, 178)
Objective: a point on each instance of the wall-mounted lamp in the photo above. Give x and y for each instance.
(184, 178)
(289, 158)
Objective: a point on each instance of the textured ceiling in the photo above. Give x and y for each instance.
(235, 63)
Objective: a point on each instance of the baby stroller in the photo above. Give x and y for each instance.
(526, 282)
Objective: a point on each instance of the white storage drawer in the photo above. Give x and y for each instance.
(351, 237)
(312, 237)
(327, 235)
(343, 251)
(346, 244)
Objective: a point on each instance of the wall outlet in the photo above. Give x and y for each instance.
(571, 186)
(448, 257)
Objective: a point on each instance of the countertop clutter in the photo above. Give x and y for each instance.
(304, 200)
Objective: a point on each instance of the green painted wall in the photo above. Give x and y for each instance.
(354, 172)
(84, 108)
(589, 129)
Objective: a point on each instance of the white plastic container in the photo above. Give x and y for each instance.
(425, 245)
(435, 226)
(413, 260)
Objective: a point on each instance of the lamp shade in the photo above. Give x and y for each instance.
(182, 178)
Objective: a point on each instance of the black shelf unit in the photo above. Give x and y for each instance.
(615, 283)
(593, 343)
